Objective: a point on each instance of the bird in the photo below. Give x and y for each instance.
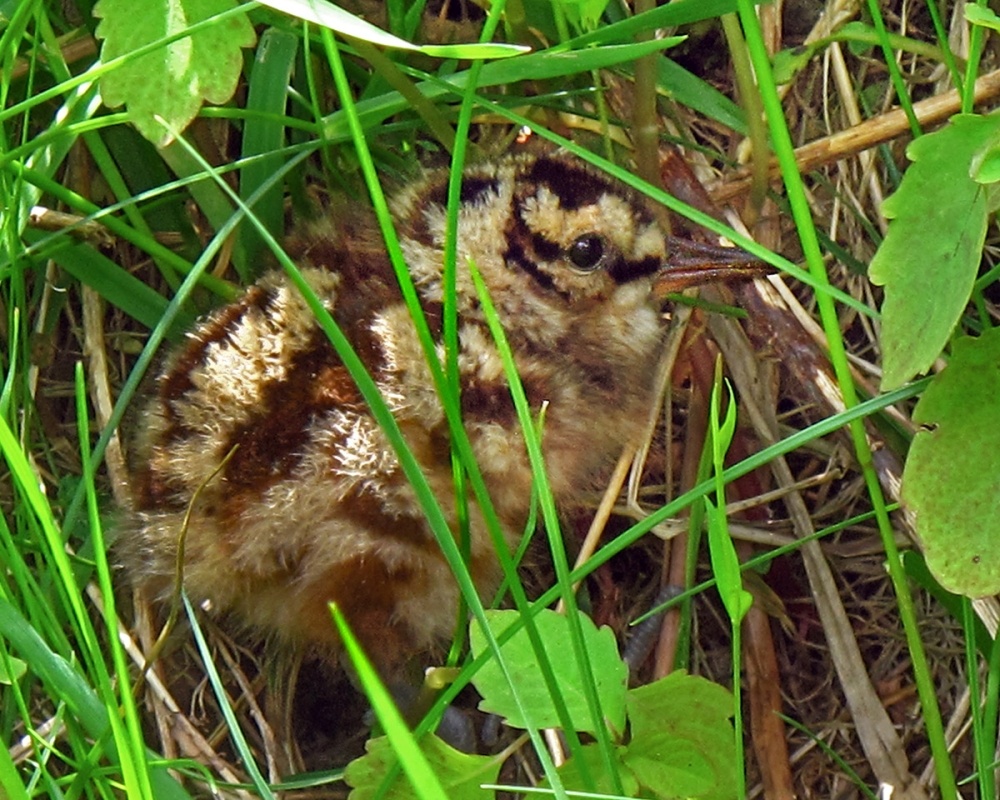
(259, 460)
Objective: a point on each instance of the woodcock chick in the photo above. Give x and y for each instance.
(312, 505)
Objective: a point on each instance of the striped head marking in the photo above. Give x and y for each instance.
(579, 234)
(549, 227)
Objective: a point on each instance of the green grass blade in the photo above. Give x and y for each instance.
(264, 135)
(127, 729)
(414, 763)
(329, 17)
(556, 546)
(233, 728)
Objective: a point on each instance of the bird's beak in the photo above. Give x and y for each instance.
(691, 263)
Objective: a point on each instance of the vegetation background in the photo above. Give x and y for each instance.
(130, 137)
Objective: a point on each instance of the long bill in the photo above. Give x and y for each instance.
(691, 263)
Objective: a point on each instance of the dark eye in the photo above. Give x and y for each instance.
(587, 252)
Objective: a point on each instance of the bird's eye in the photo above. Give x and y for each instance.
(587, 252)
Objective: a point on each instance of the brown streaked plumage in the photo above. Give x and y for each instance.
(313, 507)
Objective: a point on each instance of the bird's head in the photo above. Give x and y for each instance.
(572, 257)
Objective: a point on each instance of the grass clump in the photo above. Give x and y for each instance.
(135, 195)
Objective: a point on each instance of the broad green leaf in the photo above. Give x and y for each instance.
(572, 778)
(988, 168)
(692, 714)
(915, 564)
(671, 766)
(981, 15)
(174, 80)
(950, 480)
(336, 19)
(930, 255)
(460, 774)
(609, 671)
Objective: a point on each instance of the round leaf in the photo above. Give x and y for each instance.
(951, 478)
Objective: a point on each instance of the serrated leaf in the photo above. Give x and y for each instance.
(930, 255)
(406, 750)
(950, 479)
(174, 80)
(690, 709)
(461, 775)
(610, 673)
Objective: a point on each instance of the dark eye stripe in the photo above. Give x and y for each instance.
(521, 253)
(515, 256)
(623, 270)
(544, 248)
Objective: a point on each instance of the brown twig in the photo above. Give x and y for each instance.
(868, 134)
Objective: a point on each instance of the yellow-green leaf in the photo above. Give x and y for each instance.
(930, 255)
(950, 480)
(174, 78)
